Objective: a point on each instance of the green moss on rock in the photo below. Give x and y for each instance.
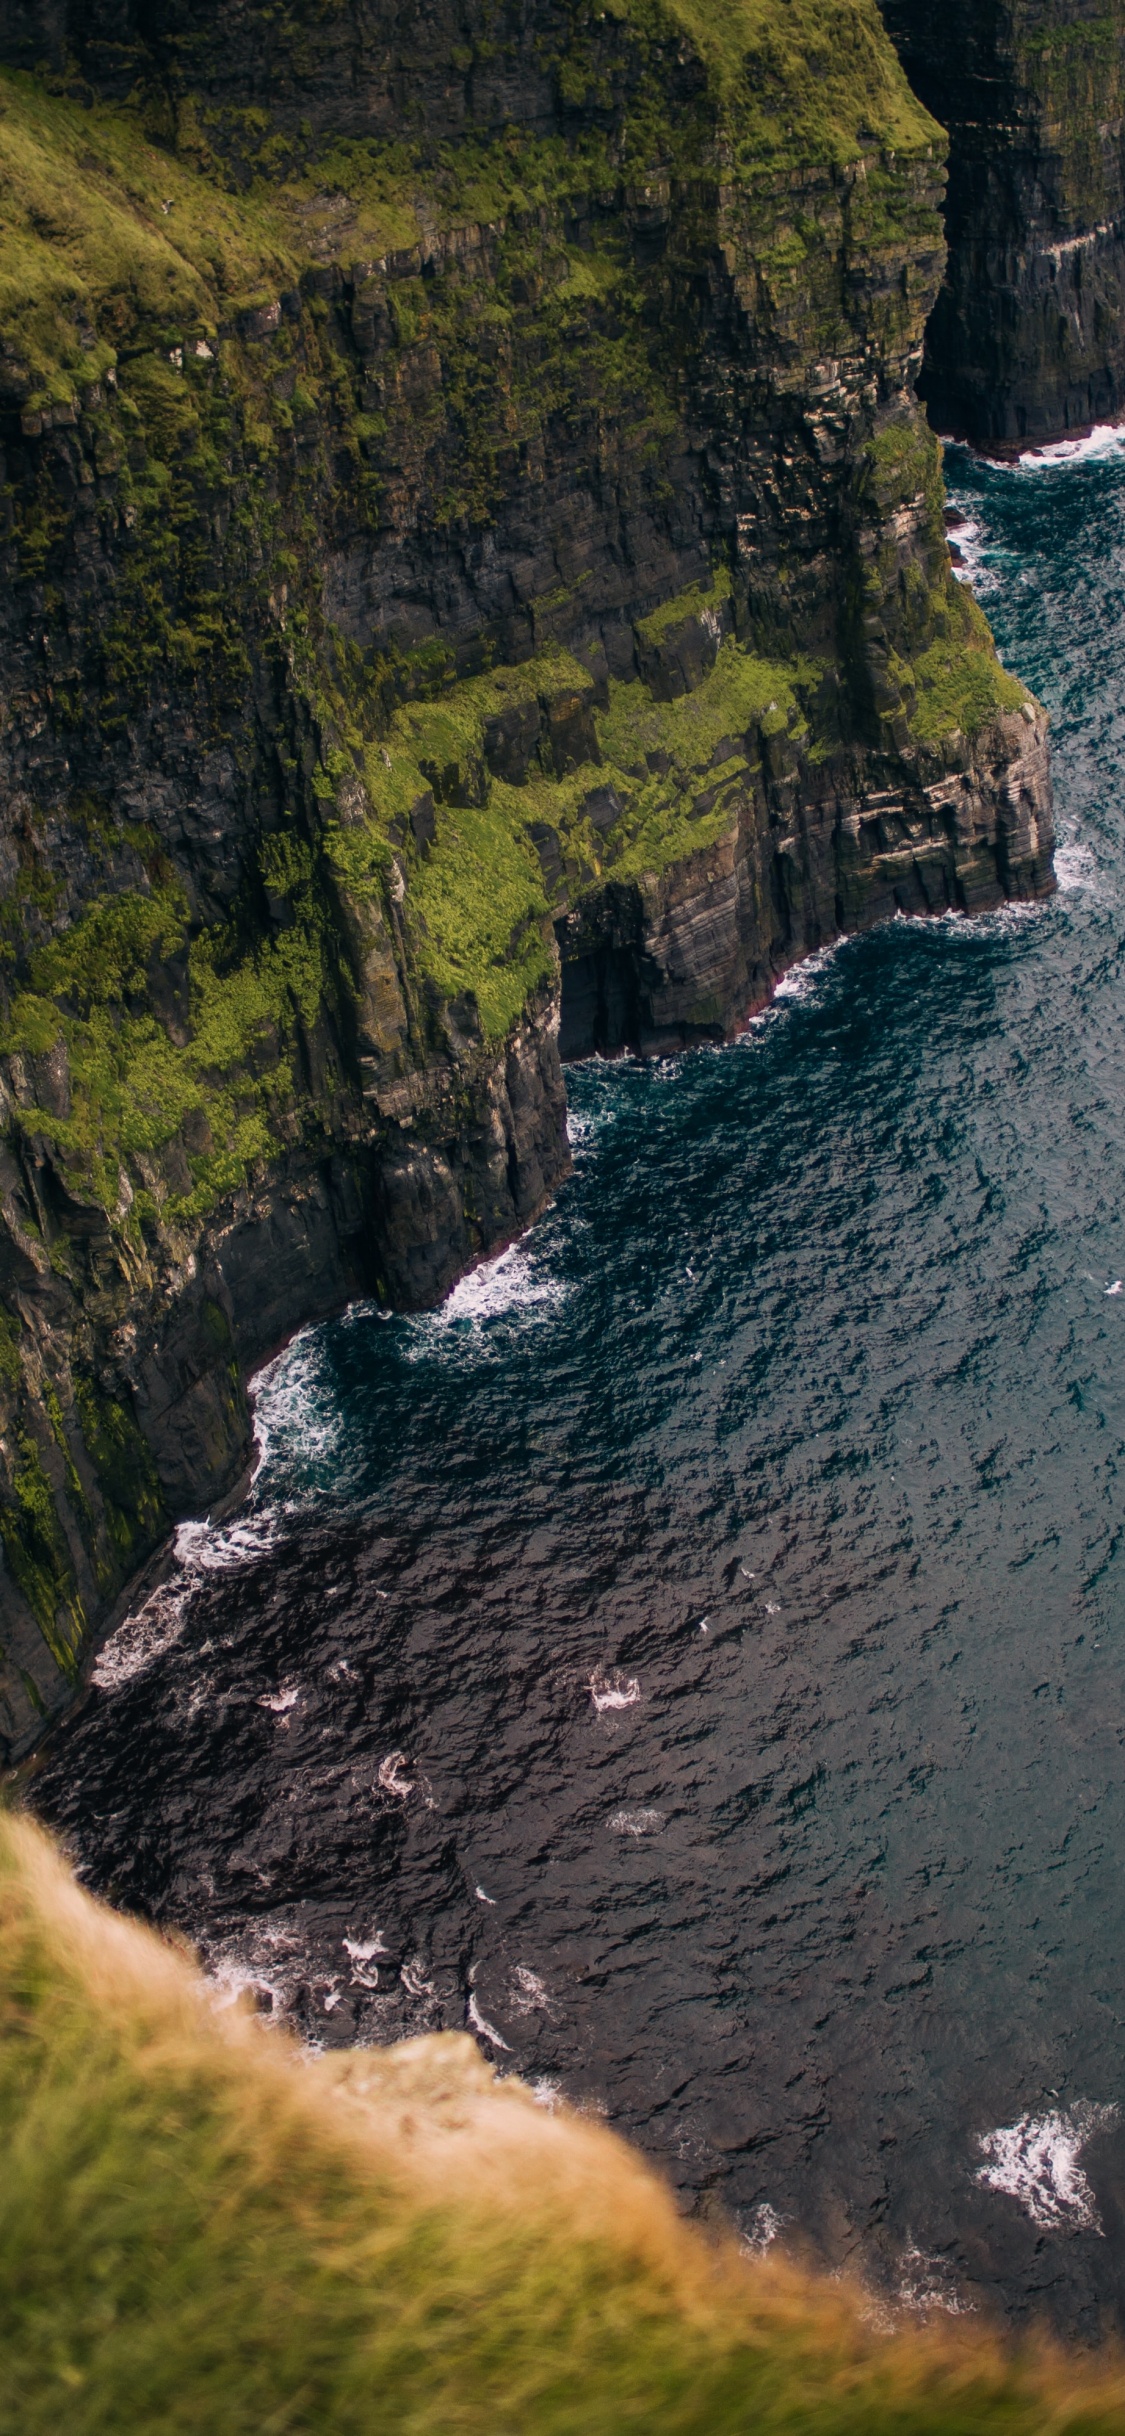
(38, 1557)
(127, 1477)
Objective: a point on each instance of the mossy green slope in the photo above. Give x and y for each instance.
(201, 2228)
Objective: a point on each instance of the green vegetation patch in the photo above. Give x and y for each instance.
(480, 896)
(103, 236)
(700, 600)
(475, 900)
(623, 790)
(958, 682)
(37, 1553)
(802, 81)
(127, 1474)
(709, 740)
(134, 1089)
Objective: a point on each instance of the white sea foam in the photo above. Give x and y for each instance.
(366, 1949)
(414, 1978)
(972, 542)
(1076, 869)
(613, 1691)
(1013, 915)
(269, 1957)
(484, 2029)
(528, 1993)
(232, 1979)
(1105, 440)
(514, 1282)
(926, 2282)
(1036, 2162)
(391, 1777)
(762, 2230)
(801, 981)
(281, 1702)
(297, 1421)
(364, 1956)
(795, 986)
(143, 1637)
(636, 1822)
(582, 1131)
(204, 1547)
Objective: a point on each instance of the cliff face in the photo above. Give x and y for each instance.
(1028, 335)
(473, 561)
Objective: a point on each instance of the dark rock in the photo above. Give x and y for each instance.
(423, 824)
(1027, 338)
(457, 782)
(570, 734)
(602, 807)
(684, 654)
(510, 740)
(546, 843)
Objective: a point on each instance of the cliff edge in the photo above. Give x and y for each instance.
(203, 2226)
(474, 583)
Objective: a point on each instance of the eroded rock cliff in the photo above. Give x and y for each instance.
(1027, 339)
(473, 559)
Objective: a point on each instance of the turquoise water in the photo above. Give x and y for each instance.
(695, 1659)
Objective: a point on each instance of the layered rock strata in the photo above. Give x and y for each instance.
(473, 564)
(1027, 339)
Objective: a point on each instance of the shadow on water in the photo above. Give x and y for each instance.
(694, 1658)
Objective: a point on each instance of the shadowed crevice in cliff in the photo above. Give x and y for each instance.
(1027, 338)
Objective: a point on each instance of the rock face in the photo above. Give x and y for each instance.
(473, 562)
(1027, 338)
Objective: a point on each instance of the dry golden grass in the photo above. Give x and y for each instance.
(203, 2228)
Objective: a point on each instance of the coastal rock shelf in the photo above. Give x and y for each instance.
(474, 581)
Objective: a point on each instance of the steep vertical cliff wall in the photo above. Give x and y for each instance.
(1027, 338)
(472, 561)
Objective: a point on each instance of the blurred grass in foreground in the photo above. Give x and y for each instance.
(203, 2228)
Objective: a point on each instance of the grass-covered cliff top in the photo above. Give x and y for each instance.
(803, 82)
(202, 2227)
(109, 239)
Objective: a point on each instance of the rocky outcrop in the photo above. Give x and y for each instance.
(661, 962)
(1027, 338)
(473, 560)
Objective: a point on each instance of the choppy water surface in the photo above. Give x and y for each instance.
(695, 1658)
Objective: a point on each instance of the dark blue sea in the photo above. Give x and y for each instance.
(694, 1659)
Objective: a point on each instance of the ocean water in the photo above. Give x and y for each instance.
(693, 1660)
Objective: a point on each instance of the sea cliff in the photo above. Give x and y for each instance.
(1027, 339)
(474, 584)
